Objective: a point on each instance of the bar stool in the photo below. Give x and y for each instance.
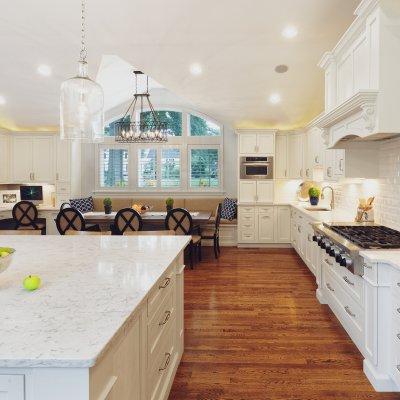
(25, 216)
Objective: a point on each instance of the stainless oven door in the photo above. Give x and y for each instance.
(256, 170)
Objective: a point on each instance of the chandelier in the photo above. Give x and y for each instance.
(82, 101)
(147, 130)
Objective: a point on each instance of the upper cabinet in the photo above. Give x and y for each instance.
(256, 142)
(32, 158)
(4, 158)
(362, 85)
(296, 155)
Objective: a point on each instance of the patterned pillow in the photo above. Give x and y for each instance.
(229, 209)
(83, 205)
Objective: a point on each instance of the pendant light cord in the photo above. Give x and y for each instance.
(83, 52)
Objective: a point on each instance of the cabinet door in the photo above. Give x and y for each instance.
(338, 168)
(265, 143)
(12, 387)
(63, 155)
(296, 155)
(247, 191)
(266, 225)
(308, 246)
(329, 167)
(265, 192)
(21, 159)
(282, 224)
(301, 236)
(43, 159)
(281, 157)
(4, 159)
(248, 143)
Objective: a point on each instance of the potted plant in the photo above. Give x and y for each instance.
(107, 205)
(169, 203)
(314, 194)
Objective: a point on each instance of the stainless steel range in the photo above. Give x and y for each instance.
(344, 241)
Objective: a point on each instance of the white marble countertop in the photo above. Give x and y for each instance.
(391, 257)
(335, 215)
(90, 286)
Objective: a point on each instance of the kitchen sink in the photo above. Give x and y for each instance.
(317, 209)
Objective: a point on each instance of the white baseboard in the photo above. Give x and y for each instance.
(265, 245)
(380, 382)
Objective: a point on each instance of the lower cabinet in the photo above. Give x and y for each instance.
(12, 387)
(263, 224)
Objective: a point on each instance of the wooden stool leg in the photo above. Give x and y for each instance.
(215, 247)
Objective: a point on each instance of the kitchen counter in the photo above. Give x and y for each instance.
(390, 257)
(336, 215)
(91, 286)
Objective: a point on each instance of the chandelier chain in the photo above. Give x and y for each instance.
(83, 53)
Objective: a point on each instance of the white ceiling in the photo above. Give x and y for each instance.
(237, 42)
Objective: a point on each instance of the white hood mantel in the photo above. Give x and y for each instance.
(362, 82)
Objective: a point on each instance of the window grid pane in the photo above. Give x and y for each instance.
(147, 168)
(202, 127)
(170, 168)
(113, 168)
(204, 168)
(173, 119)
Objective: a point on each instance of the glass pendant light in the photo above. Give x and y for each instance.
(82, 101)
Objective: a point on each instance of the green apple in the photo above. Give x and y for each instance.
(4, 254)
(31, 282)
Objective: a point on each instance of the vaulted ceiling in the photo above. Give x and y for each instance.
(238, 44)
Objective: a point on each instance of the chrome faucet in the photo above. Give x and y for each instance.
(332, 195)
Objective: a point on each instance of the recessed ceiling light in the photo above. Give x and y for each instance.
(290, 32)
(2, 100)
(275, 98)
(44, 70)
(196, 69)
(281, 69)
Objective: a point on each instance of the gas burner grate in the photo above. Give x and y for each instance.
(370, 237)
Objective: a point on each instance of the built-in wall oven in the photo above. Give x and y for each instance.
(256, 168)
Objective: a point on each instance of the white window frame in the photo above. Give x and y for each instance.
(220, 162)
(184, 143)
(113, 146)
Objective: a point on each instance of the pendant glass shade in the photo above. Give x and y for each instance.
(81, 108)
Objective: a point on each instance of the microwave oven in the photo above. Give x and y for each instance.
(256, 168)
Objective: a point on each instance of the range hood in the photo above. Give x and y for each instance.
(357, 120)
(362, 81)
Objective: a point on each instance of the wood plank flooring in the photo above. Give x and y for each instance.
(255, 330)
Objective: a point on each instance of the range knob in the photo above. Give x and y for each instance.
(338, 257)
(316, 238)
(346, 262)
(328, 247)
(333, 251)
(323, 244)
(320, 241)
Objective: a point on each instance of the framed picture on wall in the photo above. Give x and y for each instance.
(9, 197)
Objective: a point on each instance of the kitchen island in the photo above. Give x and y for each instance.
(107, 322)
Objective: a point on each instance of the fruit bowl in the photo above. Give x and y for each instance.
(142, 209)
(5, 260)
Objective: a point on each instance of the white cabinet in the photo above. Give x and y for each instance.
(296, 155)
(4, 159)
(282, 224)
(63, 163)
(334, 167)
(12, 387)
(315, 149)
(339, 163)
(256, 191)
(247, 191)
(281, 157)
(32, 159)
(253, 142)
(266, 224)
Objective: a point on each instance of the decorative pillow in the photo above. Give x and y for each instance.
(83, 205)
(229, 209)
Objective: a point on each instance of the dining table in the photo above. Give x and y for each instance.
(152, 220)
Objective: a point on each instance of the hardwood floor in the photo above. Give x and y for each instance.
(255, 330)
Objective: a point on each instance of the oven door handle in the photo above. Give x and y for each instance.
(263, 164)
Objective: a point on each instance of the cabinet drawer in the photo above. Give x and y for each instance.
(371, 272)
(266, 210)
(12, 387)
(247, 225)
(163, 287)
(161, 367)
(160, 323)
(345, 308)
(246, 218)
(247, 236)
(395, 355)
(396, 284)
(63, 187)
(246, 209)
